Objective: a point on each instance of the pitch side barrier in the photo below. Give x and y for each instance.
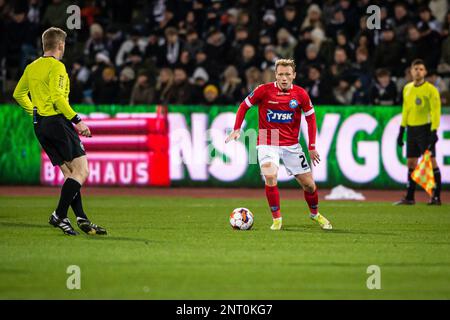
(179, 145)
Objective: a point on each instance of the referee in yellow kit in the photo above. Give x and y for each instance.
(46, 80)
(421, 116)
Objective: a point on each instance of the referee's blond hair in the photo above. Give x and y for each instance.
(51, 37)
(285, 63)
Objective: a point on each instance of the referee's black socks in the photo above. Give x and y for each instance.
(411, 186)
(69, 190)
(437, 179)
(77, 206)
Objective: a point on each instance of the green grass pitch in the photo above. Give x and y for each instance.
(184, 248)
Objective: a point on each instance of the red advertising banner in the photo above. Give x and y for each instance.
(122, 152)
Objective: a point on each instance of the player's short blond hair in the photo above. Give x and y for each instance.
(285, 63)
(51, 37)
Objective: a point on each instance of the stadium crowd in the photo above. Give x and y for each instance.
(216, 52)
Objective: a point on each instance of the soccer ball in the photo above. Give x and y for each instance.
(241, 219)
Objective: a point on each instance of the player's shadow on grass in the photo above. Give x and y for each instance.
(23, 225)
(112, 238)
(315, 228)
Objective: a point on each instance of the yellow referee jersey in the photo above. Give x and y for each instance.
(47, 81)
(421, 105)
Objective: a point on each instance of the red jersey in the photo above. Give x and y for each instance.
(280, 114)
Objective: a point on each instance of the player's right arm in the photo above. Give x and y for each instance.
(404, 119)
(21, 93)
(252, 99)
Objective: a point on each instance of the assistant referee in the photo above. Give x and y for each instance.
(46, 80)
(421, 116)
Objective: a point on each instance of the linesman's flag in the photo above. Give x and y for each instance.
(423, 174)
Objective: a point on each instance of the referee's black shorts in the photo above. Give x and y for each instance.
(58, 138)
(418, 140)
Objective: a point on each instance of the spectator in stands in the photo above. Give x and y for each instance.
(126, 83)
(164, 86)
(18, 31)
(270, 57)
(341, 65)
(313, 18)
(143, 92)
(269, 26)
(253, 78)
(436, 80)
(186, 62)
(402, 82)
(414, 48)
(198, 81)
(342, 42)
(134, 43)
(95, 44)
(114, 39)
(361, 94)
(362, 67)
(336, 24)
(229, 27)
(389, 52)
(193, 43)
(430, 38)
(444, 64)
(304, 40)
(170, 51)
(343, 92)
(285, 44)
(426, 18)
(216, 49)
(401, 21)
(79, 75)
(211, 96)
(290, 21)
(106, 89)
(231, 86)
(312, 58)
(318, 87)
(248, 59)
(268, 76)
(55, 15)
(182, 90)
(383, 91)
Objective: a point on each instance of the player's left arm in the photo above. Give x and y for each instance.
(310, 116)
(435, 110)
(21, 94)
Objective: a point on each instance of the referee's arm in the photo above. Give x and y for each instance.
(404, 122)
(57, 86)
(21, 94)
(404, 111)
(435, 109)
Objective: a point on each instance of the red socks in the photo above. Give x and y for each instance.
(273, 197)
(312, 199)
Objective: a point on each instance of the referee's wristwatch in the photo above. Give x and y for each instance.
(76, 119)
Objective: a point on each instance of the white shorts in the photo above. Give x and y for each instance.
(293, 158)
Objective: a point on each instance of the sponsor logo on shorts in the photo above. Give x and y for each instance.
(279, 116)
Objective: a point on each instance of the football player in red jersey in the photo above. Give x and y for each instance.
(280, 105)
